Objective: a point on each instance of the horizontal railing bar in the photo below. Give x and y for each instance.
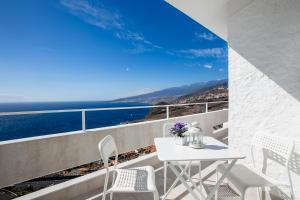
(103, 109)
(202, 103)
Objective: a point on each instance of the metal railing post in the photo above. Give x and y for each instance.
(206, 107)
(168, 112)
(83, 120)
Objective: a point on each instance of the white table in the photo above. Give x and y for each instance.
(168, 151)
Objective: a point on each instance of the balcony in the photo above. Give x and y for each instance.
(29, 158)
(263, 57)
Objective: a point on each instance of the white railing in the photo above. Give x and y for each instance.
(84, 110)
(75, 149)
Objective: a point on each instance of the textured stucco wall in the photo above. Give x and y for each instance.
(264, 76)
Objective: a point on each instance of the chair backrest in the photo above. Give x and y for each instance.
(107, 147)
(279, 149)
(281, 146)
(166, 127)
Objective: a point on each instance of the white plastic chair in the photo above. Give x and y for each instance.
(182, 163)
(134, 180)
(279, 149)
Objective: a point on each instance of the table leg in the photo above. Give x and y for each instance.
(179, 175)
(210, 195)
(194, 185)
(175, 182)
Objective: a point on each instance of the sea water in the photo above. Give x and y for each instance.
(22, 126)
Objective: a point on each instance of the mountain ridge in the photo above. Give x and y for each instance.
(173, 93)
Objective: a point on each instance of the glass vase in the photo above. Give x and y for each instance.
(183, 141)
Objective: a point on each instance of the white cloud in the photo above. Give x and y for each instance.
(209, 52)
(128, 35)
(139, 43)
(96, 14)
(205, 36)
(207, 66)
(220, 70)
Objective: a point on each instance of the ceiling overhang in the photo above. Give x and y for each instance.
(212, 14)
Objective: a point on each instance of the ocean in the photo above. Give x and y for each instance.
(22, 126)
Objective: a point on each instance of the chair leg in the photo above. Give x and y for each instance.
(217, 179)
(190, 171)
(165, 176)
(155, 195)
(243, 195)
(259, 193)
(112, 183)
(200, 176)
(105, 184)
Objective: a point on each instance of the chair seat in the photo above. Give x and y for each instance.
(140, 179)
(243, 177)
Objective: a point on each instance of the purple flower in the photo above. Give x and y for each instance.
(178, 129)
(179, 126)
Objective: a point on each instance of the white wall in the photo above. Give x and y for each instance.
(87, 186)
(264, 66)
(30, 158)
(264, 75)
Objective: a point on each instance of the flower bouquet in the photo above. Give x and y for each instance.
(179, 131)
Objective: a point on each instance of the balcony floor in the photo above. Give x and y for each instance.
(180, 192)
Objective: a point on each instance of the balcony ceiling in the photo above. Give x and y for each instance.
(211, 14)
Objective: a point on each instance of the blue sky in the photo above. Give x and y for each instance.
(64, 50)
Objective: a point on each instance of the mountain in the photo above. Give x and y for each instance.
(217, 93)
(171, 94)
(211, 93)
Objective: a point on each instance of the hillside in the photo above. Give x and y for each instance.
(172, 94)
(213, 94)
(218, 93)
